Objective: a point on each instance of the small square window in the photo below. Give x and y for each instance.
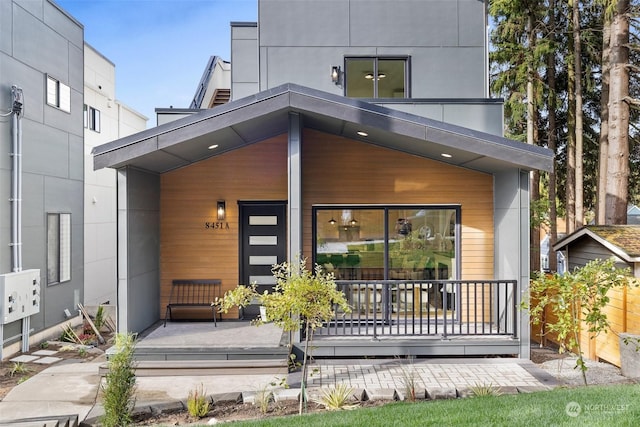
(58, 94)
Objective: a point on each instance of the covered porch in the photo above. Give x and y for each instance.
(284, 162)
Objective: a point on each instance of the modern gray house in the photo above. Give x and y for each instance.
(360, 136)
(41, 167)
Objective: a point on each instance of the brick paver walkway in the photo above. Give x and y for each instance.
(428, 374)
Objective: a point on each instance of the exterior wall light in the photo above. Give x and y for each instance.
(222, 210)
(335, 74)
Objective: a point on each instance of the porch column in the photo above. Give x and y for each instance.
(511, 231)
(138, 290)
(123, 254)
(294, 206)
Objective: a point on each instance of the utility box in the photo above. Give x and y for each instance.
(20, 295)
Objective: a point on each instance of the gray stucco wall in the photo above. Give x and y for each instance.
(511, 228)
(301, 39)
(298, 41)
(244, 59)
(36, 39)
(138, 249)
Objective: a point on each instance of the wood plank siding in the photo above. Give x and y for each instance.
(343, 171)
(188, 200)
(335, 170)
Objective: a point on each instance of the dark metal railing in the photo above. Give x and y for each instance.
(441, 308)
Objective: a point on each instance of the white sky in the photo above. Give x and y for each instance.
(159, 47)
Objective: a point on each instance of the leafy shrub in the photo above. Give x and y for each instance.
(482, 390)
(264, 396)
(197, 404)
(336, 398)
(18, 368)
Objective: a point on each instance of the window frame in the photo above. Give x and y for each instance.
(91, 118)
(57, 94)
(58, 248)
(376, 59)
(386, 209)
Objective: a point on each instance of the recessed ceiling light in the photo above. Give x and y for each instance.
(213, 147)
(448, 156)
(362, 133)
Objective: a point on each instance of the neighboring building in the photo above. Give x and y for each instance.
(213, 90)
(67, 229)
(633, 215)
(361, 137)
(622, 242)
(105, 119)
(41, 52)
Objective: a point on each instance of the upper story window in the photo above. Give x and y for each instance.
(91, 118)
(58, 94)
(376, 77)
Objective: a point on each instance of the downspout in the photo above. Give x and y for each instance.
(16, 180)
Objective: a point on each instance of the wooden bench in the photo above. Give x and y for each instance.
(186, 293)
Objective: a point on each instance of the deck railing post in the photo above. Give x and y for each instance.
(445, 304)
(514, 285)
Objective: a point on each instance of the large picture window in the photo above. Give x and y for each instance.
(58, 248)
(372, 77)
(394, 242)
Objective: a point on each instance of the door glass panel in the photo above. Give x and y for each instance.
(263, 220)
(263, 260)
(263, 240)
(350, 243)
(262, 280)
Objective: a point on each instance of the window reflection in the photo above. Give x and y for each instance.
(376, 77)
(419, 243)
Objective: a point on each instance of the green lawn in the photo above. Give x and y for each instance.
(590, 406)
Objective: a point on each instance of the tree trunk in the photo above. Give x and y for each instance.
(534, 255)
(570, 186)
(551, 140)
(618, 154)
(578, 116)
(604, 125)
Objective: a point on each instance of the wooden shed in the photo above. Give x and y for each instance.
(603, 242)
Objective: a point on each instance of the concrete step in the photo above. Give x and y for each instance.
(207, 367)
(48, 421)
(144, 354)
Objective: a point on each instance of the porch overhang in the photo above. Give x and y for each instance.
(266, 114)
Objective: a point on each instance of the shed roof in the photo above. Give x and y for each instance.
(266, 114)
(621, 240)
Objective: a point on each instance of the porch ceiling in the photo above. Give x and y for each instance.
(266, 114)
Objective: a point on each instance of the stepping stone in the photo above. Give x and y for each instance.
(24, 358)
(44, 352)
(48, 360)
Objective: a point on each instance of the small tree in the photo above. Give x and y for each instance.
(301, 298)
(119, 389)
(575, 299)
